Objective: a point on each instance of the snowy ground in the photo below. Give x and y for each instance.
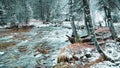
(88, 56)
(24, 47)
(112, 49)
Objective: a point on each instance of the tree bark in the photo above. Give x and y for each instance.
(89, 24)
(87, 16)
(109, 20)
(74, 31)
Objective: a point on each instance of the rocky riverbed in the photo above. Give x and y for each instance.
(30, 48)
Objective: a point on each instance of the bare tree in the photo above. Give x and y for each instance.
(87, 18)
(74, 31)
(106, 6)
(91, 29)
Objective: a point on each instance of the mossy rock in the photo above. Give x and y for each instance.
(22, 48)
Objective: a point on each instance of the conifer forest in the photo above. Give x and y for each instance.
(59, 33)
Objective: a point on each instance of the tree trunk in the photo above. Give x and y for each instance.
(89, 24)
(42, 13)
(2, 17)
(74, 32)
(110, 25)
(109, 20)
(87, 16)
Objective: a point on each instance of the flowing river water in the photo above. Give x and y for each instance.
(26, 48)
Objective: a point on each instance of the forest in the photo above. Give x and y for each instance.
(59, 34)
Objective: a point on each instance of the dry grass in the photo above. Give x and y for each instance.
(67, 65)
(75, 48)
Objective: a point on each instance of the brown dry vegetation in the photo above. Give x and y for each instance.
(74, 48)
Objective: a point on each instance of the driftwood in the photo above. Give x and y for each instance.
(71, 39)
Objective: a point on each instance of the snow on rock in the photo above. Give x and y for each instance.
(116, 24)
(105, 64)
(6, 38)
(89, 57)
(67, 24)
(1, 53)
(78, 51)
(111, 50)
(38, 23)
(5, 26)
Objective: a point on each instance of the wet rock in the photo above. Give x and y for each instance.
(22, 48)
(118, 39)
(88, 55)
(6, 38)
(40, 66)
(36, 53)
(4, 45)
(42, 47)
(43, 51)
(38, 56)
